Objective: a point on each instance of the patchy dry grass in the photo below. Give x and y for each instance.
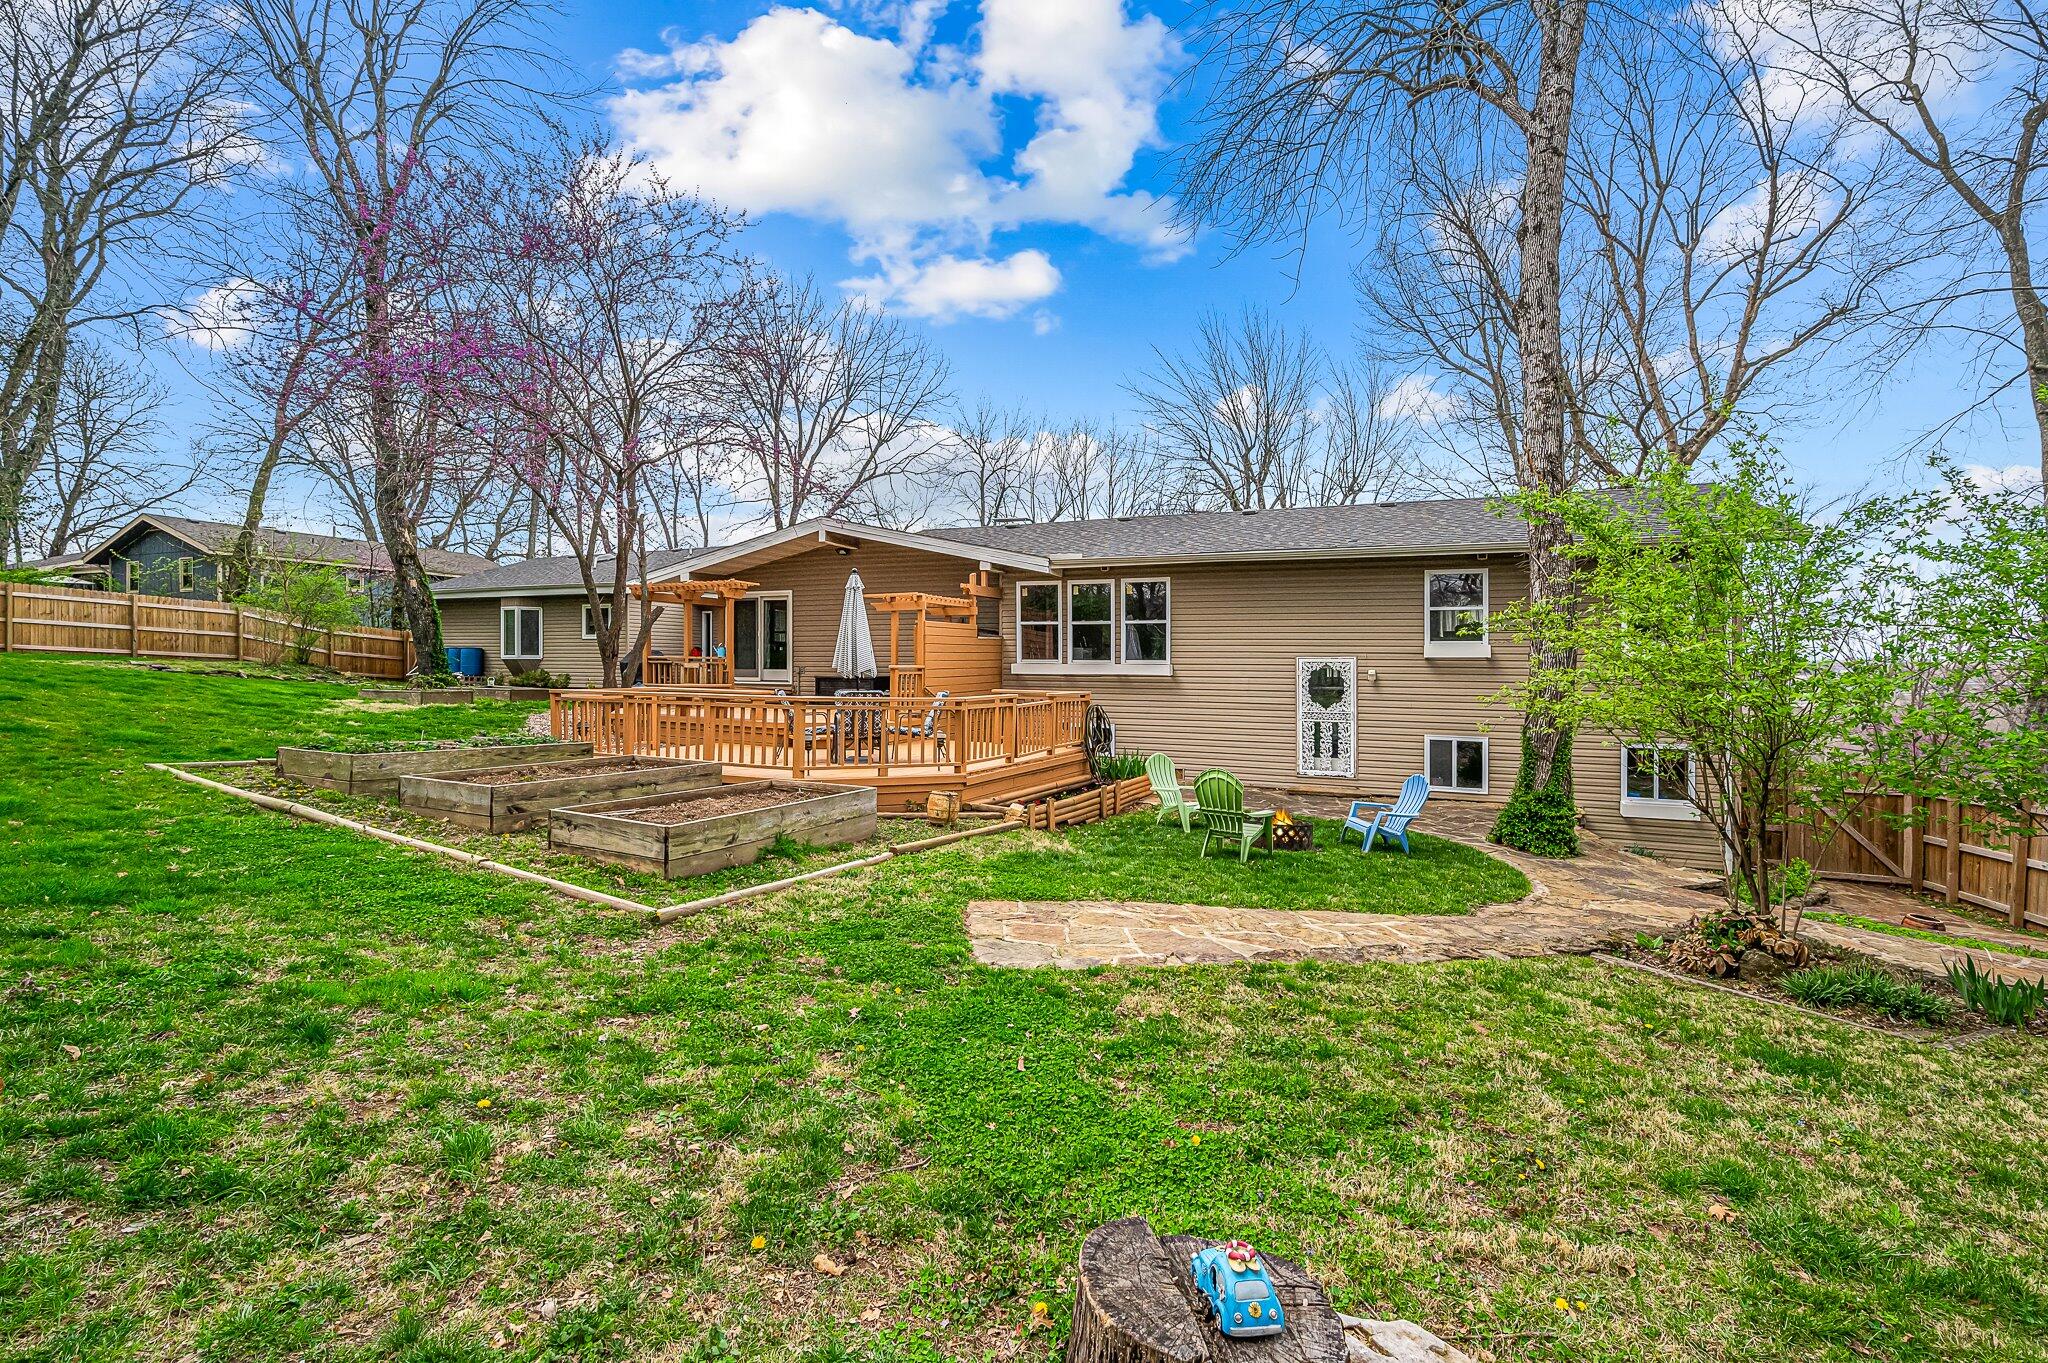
(275, 1092)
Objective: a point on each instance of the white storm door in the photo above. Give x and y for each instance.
(1326, 715)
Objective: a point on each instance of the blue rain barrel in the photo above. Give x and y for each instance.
(470, 662)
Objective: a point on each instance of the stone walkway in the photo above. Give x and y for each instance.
(1593, 902)
(1915, 953)
(1578, 906)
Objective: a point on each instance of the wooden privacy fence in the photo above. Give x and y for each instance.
(38, 619)
(1927, 846)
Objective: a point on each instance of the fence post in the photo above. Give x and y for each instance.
(2022, 872)
(1954, 888)
(6, 617)
(134, 625)
(238, 634)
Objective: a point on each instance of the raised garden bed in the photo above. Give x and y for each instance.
(503, 799)
(450, 695)
(377, 773)
(693, 832)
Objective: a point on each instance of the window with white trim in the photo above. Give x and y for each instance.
(1038, 622)
(1147, 620)
(1657, 782)
(1456, 764)
(519, 632)
(1091, 622)
(589, 625)
(1455, 614)
(185, 578)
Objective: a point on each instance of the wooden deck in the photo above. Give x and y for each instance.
(989, 748)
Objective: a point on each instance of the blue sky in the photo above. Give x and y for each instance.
(991, 170)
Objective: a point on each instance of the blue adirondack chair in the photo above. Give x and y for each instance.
(1219, 804)
(1392, 819)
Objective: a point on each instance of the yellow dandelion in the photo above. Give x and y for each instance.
(1194, 1140)
(1038, 1308)
(1579, 1305)
(483, 1102)
(759, 1242)
(1562, 1304)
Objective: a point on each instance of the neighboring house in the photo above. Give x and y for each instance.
(176, 556)
(1330, 649)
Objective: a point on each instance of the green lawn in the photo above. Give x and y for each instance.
(272, 1091)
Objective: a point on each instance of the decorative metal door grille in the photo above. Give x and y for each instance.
(1326, 722)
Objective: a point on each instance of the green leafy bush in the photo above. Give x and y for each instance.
(1861, 984)
(1792, 881)
(311, 600)
(1540, 820)
(537, 676)
(1120, 766)
(2007, 1002)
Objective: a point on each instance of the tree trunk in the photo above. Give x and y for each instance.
(1544, 789)
(2033, 319)
(1136, 1302)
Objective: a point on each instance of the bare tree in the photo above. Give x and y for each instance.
(606, 290)
(1237, 410)
(117, 125)
(105, 464)
(1729, 244)
(1362, 449)
(1958, 91)
(830, 404)
(372, 94)
(988, 459)
(1303, 95)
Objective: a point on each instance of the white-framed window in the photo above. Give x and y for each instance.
(1091, 623)
(1038, 624)
(519, 638)
(760, 637)
(590, 624)
(1454, 611)
(1657, 782)
(1456, 763)
(1148, 621)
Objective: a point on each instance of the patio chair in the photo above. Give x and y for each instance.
(929, 728)
(1172, 794)
(1392, 819)
(1219, 801)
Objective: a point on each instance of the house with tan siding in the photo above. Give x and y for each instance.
(1329, 650)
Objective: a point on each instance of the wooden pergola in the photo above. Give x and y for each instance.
(693, 592)
(923, 608)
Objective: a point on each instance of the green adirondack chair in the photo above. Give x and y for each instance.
(1219, 803)
(1172, 794)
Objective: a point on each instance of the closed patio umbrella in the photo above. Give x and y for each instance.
(854, 653)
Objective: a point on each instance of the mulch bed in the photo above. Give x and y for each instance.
(708, 807)
(544, 771)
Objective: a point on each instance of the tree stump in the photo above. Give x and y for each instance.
(1137, 1303)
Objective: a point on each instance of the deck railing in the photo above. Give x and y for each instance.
(850, 736)
(689, 671)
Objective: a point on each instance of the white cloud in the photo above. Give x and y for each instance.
(2011, 478)
(901, 142)
(217, 318)
(1416, 398)
(947, 287)
(1738, 231)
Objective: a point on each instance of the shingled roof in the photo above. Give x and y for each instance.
(292, 546)
(550, 574)
(1459, 525)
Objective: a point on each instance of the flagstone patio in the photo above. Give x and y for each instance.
(1596, 901)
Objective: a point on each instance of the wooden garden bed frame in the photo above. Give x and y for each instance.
(505, 807)
(377, 773)
(819, 814)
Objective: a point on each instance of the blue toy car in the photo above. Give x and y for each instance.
(1240, 1295)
